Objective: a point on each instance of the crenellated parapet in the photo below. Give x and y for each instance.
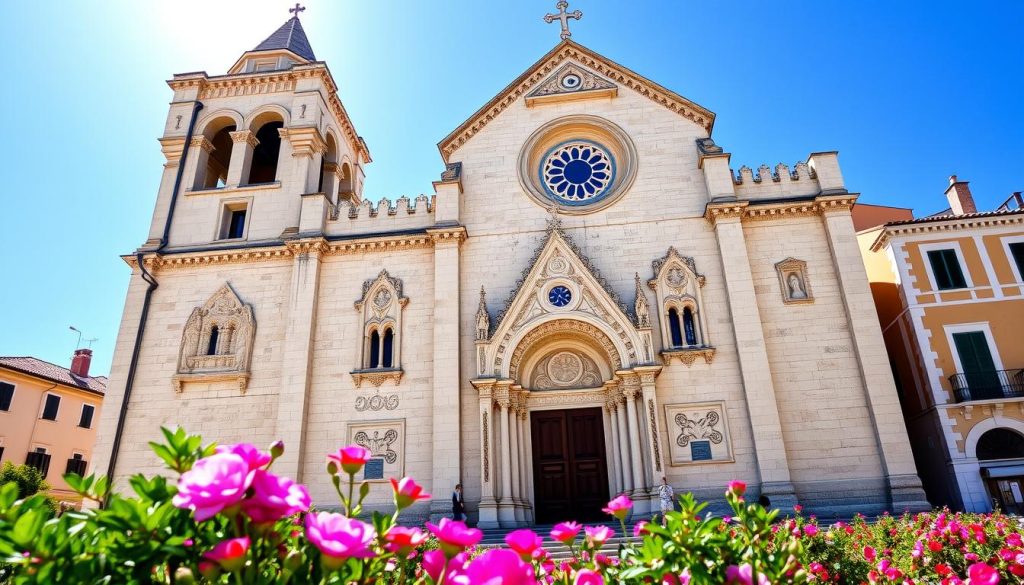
(383, 215)
(818, 175)
(778, 174)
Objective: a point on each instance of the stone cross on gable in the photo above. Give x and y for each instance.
(564, 17)
(298, 8)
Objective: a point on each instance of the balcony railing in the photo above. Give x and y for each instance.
(991, 385)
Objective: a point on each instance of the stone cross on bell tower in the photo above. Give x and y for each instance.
(298, 8)
(564, 17)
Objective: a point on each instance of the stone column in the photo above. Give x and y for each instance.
(625, 467)
(905, 491)
(300, 316)
(613, 448)
(244, 142)
(445, 424)
(513, 439)
(755, 370)
(641, 504)
(649, 412)
(526, 475)
(488, 512)
(506, 507)
(198, 158)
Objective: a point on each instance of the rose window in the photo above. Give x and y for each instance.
(577, 172)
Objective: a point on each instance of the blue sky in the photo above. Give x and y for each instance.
(907, 92)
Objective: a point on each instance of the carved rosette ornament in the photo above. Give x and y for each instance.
(217, 341)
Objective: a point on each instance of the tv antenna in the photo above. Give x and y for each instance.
(78, 343)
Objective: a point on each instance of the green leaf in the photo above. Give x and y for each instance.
(27, 526)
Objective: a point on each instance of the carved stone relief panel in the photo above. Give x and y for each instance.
(386, 442)
(565, 369)
(698, 433)
(217, 340)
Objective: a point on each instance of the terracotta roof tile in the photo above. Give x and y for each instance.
(54, 373)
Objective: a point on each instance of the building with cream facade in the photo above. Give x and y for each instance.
(589, 300)
(949, 290)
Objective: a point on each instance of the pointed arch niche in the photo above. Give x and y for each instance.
(216, 343)
(684, 324)
(380, 308)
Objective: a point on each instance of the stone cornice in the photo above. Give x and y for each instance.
(455, 234)
(547, 64)
(754, 210)
(952, 224)
(274, 82)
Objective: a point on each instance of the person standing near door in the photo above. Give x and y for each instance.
(666, 495)
(458, 505)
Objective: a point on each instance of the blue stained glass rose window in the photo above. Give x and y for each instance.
(559, 296)
(577, 172)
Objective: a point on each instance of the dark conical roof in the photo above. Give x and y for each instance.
(290, 36)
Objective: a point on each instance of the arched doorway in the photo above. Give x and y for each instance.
(1001, 454)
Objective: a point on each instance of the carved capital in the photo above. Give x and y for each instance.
(244, 136)
(728, 210)
(484, 387)
(202, 142)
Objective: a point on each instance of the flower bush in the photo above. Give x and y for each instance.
(226, 517)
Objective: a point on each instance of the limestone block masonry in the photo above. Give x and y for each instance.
(517, 296)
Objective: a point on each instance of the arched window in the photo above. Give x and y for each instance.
(1000, 444)
(689, 329)
(214, 154)
(211, 347)
(675, 328)
(388, 348)
(264, 156)
(374, 349)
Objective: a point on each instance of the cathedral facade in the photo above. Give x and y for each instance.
(590, 300)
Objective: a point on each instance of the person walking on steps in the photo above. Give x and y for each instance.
(666, 495)
(458, 505)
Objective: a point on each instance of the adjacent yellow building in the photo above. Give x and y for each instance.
(949, 290)
(48, 416)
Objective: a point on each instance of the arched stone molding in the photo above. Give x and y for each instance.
(587, 301)
(559, 346)
(259, 116)
(677, 285)
(217, 341)
(997, 421)
(203, 124)
(380, 307)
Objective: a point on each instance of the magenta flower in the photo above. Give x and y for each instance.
(339, 538)
(982, 574)
(401, 540)
(743, 575)
(640, 528)
(230, 554)
(454, 535)
(274, 497)
(810, 530)
(588, 577)
(349, 459)
(248, 452)
(407, 492)
(736, 487)
(213, 484)
(869, 554)
(433, 564)
(597, 535)
(619, 507)
(565, 532)
(524, 542)
(499, 567)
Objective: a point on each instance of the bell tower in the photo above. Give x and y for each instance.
(259, 154)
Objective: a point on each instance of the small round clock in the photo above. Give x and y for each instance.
(559, 296)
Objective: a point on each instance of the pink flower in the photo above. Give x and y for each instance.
(597, 535)
(639, 528)
(869, 554)
(524, 542)
(229, 554)
(982, 574)
(454, 535)
(499, 567)
(350, 459)
(401, 540)
(213, 484)
(274, 498)
(433, 564)
(619, 507)
(810, 530)
(253, 456)
(339, 538)
(736, 488)
(798, 508)
(588, 577)
(407, 492)
(743, 575)
(565, 532)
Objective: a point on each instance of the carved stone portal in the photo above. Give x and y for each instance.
(698, 433)
(216, 343)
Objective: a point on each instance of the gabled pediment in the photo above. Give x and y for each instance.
(586, 60)
(561, 284)
(571, 82)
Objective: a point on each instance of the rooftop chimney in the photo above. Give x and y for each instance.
(959, 196)
(80, 362)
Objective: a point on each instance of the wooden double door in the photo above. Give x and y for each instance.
(570, 470)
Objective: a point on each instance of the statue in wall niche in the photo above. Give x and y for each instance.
(796, 287)
(483, 319)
